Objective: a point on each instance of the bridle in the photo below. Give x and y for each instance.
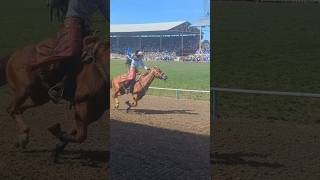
(89, 56)
(143, 88)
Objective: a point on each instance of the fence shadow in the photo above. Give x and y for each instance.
(152, 111)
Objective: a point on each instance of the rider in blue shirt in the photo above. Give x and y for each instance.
(136, 62)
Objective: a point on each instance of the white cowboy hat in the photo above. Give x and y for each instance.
(139, 53)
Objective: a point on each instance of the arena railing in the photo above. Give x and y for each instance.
(214, 91)
(180, 90)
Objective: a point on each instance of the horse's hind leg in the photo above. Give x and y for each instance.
(115, 97)
(15, 110)
(115, 94)
(116, 106)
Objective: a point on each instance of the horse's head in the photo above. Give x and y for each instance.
(158, 73)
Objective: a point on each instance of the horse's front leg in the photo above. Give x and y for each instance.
(77, 135)
(62, 136)
(134, 102)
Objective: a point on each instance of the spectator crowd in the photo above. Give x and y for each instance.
(170, 49)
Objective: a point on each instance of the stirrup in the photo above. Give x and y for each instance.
(56, 92)
(126, 90)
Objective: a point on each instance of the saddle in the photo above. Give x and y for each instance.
(125, 86)
(46, 48)
(53, 73)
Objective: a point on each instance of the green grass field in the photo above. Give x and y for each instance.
(267, 46)
(180, 75)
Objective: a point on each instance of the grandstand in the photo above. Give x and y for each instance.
(175, 38)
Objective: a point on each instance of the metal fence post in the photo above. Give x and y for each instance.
(213, 107)
(177, 94)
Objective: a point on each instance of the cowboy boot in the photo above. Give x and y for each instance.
(129, 87)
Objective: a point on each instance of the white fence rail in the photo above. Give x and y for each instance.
(180, 90)
(277, 93)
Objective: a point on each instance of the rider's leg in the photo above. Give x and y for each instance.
(131, 77)
(69, 44)
(68, 48)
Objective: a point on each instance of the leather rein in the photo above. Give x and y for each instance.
(89, 56)
(142, 86)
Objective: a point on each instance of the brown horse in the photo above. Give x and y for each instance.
(139, 88)
(90, 97)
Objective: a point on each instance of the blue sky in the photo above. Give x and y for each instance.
(148, 11)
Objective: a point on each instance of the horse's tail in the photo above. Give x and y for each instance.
(3, 66)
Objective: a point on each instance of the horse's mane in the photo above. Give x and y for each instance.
(102, 47)
(148, 72)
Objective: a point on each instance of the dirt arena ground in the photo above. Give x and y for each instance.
(261, 149)
(164, 139)
(85, 161)
(161, 139)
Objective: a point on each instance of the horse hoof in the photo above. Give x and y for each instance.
(129, 106)
(116, 106)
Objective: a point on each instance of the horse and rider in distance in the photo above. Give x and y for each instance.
(136, 85)
(73, 66)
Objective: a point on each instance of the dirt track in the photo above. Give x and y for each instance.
(164, 139)
(161, 139)
(86, 161)
(261, 149)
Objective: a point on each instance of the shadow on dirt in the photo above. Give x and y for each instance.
(239, 159)
(84, 157)
(145, 152)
